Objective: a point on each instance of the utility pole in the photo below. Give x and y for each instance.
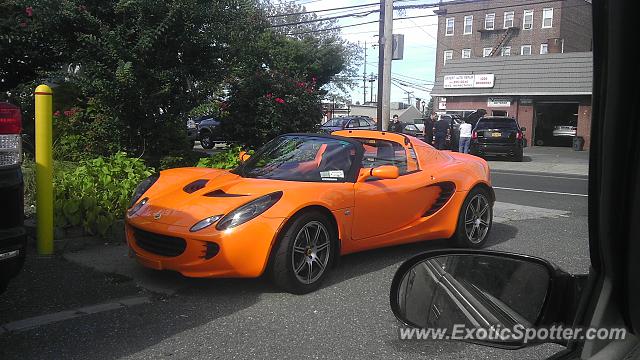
(371, 80)
(385, 48)
(364, 76)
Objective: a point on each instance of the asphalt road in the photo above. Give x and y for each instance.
(213, 318)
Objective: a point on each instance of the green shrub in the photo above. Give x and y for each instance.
(97, 192)
(227, 159)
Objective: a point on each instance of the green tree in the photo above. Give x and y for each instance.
(139, 65)
(278, 87)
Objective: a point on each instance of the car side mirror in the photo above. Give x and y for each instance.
(501, 299)
(244, 156)
(523, 129)
(380, 172)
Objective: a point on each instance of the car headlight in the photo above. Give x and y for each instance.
(248, 211)
(143, 187)
(137, 207)
(205, 223)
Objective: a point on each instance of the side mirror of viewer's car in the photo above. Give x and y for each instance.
(380, 172)
(485, 297)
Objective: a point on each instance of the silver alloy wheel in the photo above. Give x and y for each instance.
(477, 218)
(311, 251)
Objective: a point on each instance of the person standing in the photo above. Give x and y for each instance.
(465, 137)
(428, 128)
(394, 125)
(441, 132)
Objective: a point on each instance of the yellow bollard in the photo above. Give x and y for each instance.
(44, 170)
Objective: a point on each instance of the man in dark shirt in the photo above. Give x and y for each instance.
(441, 133)
(428, 128)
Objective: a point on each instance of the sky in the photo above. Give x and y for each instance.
(420, 34)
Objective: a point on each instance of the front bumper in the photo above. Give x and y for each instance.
(13, 248)
(243, 251)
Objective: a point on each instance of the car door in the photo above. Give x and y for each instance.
(385, 205)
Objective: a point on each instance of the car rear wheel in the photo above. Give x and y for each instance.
(206, 140)
(475, 219)
(304, 253)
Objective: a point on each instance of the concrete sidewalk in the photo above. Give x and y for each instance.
(557, 160)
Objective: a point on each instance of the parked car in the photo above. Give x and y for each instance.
(348, 122)
(413, 130)
(498, 135)
(209, 132)
(281, 210)
(564, 131)
(13, 239)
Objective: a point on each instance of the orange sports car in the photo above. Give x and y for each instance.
(304, 199)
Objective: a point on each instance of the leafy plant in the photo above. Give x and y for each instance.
(97, 191)
(227, 159)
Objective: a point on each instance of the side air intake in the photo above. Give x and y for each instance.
(447, 189)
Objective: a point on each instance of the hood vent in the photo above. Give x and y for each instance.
(221, 194)
(195, 186)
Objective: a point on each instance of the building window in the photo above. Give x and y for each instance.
(544, 48)
(506, 51)
(525, 50)
(547, 18)
(486, 52)
(468, 25)
(489, 21)
(448, 55)
(450, 25)
(527, 20)
(508, 19)
(466, 53)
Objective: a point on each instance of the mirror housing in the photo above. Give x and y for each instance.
(380, 172)
(489, 290)
(244, 156)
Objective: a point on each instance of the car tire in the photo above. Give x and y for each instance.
(206, 140)
(299, 266)
(471, 233)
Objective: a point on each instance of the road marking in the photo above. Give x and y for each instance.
(536, 175)
(505, 212)
(37, 321)
(540, 191)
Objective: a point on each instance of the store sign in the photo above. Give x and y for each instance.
(442, 103)
(469, 81)
(498, 102)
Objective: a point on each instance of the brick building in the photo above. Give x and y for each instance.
(526, 59)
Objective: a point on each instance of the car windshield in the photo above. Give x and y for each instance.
(302, 158)
(497, 124)
(335, 122)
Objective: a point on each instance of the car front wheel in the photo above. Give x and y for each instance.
(304, 254)
(206, 140)
(475, 219)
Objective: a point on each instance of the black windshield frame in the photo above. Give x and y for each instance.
(350, 177)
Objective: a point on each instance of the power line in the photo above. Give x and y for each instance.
(421, 6)
(324, 10)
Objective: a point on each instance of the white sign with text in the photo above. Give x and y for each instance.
(469, 81)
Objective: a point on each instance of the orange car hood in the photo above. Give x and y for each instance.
(170, 204)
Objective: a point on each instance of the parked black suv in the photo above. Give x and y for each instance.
(498, 135)
(13, 239)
